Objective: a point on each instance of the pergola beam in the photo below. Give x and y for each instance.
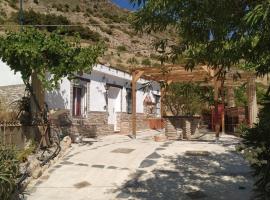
(175, 73)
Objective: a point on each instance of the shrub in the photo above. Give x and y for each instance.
(256, 149)
(106, 30)
(113, 17)
(134, 41)
(106, 39)
(12, 3)
(89, 10)
(93, 21)
(31, 18)
(121, 48)
(133, 61)
(154, 56)
(58, 7)
(77, 8)
(146, 61)
(23, 154)
(66, 7)
(9, 171)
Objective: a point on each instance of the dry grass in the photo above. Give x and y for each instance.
(5, 113)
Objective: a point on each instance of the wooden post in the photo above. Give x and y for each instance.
(223, 109)
(216, 122)
(162, 91)
(135, 77)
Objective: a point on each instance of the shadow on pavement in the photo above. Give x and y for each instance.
(217, 176)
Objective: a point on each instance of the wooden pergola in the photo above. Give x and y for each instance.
(200, 74)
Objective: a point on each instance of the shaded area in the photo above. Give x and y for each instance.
(216, 176)
(123, 150)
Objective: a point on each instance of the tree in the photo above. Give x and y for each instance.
(51, 56)
(208, 32)
(187, 98)
(208, 29)
(256, 141)
(256, 149)
(222, 34)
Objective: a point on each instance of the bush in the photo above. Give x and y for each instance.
(106, 39)
(66, 7)
(93, 21)
(84, 33)
(121, 48)
(106, 30)
(58, 7)
(113, 17)
(32, 18)
(134, 41)
(89, 10)
(146, 61)
(133, 61)
(9, 171)
(154, 56)
(78, 9)
(256, 149)
(13, 3)
(27, 151)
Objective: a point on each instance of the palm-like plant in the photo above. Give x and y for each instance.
(9, 171)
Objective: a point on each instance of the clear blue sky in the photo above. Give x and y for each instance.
(125, 4)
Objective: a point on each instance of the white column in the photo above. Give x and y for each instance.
(252, 101)
(230, 97)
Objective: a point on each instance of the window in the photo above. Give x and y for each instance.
(129, 101)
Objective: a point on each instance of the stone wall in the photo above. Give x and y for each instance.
(96, 124)
(124, 121)
(11, 93)
(189, 126)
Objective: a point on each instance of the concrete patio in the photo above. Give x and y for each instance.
(118, 167)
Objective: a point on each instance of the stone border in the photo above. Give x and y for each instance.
(35, 169)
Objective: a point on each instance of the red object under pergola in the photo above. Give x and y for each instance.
(200, 74)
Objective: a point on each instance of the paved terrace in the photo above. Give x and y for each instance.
(118, 167)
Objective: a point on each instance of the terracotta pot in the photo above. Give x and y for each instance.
(160, 138)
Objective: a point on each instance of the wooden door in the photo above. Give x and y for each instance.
(77, 101)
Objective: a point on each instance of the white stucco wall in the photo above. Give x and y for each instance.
(102, 75)
(97, 96)
(7, 76)
(59, 98)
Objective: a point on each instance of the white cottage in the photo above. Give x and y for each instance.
(100, 102)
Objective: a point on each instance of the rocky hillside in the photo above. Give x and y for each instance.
(94, 20)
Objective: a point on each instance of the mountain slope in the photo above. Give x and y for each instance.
(98, 20)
